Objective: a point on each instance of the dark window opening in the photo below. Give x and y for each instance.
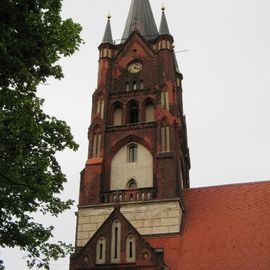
(133, 114)
(115, 243)
(130, 250)
(100, 251)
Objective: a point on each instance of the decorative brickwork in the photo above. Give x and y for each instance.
(138, 155)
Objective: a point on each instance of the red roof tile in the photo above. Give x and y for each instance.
(223, 228)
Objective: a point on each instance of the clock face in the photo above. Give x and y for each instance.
(135, 67)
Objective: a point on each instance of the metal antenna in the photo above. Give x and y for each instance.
(181, 51)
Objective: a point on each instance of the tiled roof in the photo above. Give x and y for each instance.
(141, 18)
(223, 228)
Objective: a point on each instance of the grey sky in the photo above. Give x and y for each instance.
(226, 91)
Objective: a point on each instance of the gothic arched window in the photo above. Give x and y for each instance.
(131, 249)
(116, 242)
(134, 86)
(149, 112)
(132, 184)
(141, 85)
(117, 115)
(101, 251)
(133, 112)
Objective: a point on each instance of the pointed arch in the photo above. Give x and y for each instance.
(149, 110)
(133, 112)
(141, 85)
(101, 251)
(130, 248)
(134, 85)
(116, 242)
(117, 112)
(132, 161)
(132, 184)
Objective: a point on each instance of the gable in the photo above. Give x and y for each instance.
(117, 245)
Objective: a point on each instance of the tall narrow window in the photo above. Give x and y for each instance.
(116, 242)
(165, 100)
(101, 251)
(178, 82)
(134, 86)
(149, 112)
(163, 44)
(132, 152)
(133, 113)
(117, 116)
(100, 108)
(131, 249)
(127, 86)
(165, 139)
(141, 85)
(96, 143)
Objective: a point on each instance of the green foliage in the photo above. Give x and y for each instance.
(33, 37)
(1, 265)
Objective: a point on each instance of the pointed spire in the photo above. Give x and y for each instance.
(140, 18)
(107, 38)
(163, 29)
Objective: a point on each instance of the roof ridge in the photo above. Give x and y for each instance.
(231, 184)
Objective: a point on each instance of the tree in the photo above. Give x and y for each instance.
(33, 37)
(1, 265)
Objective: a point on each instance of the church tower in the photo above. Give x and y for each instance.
(138, 157)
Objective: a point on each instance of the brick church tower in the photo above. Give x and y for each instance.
(138, 158)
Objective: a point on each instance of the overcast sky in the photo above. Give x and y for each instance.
(226, 91)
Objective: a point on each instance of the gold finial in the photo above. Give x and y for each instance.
(109, 15)
(163, 7)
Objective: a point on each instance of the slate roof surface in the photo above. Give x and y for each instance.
(163, 28)
(141, 18)
(223, 228)
(107, 37)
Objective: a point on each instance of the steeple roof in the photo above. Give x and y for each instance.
(107, 38)
(163, 29)
(140, 18)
